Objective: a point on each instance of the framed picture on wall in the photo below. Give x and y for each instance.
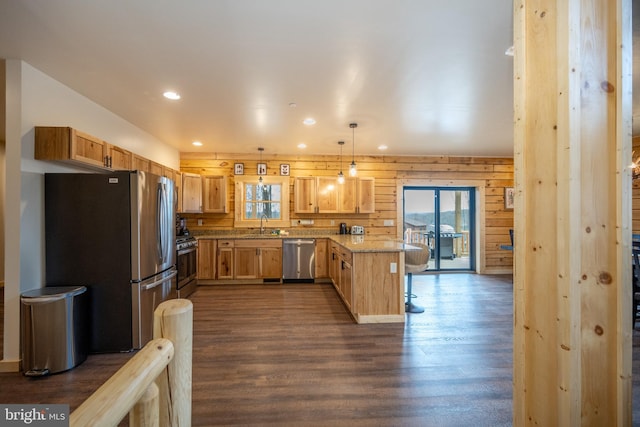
(262, 168)
(509, 195)
(238, 169)
(284, 169)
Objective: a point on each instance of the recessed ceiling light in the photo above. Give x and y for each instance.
(293, 105)
(171, 95)
(382, 147)
(302, 145)
(309, 121)
(197, 143)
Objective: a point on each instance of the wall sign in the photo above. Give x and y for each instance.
(262, 168)
(509, 196)
(284, 169)
(238, 169)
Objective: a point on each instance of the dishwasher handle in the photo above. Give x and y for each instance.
(298, 242)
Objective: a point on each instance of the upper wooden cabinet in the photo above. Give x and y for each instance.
(66, 144)
(70, 145)
(305, 194)
(214, 194)
(366, 195)
(141, 163)
(191, 193)
(119, 158)
(327, 195)
(203, 194)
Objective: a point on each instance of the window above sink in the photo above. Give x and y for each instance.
(261, 204)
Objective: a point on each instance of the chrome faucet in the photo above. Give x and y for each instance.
(264, 216)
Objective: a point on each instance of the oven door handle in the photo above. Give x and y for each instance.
(159, 282)
(187, 250)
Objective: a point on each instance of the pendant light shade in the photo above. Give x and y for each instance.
(260, 150)
(340, 174)
(353, 169)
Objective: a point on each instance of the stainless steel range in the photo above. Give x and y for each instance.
(186, 247)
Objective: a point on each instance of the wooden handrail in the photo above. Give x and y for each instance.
(115, 398)
(154, 386)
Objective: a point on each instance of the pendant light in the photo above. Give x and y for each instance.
(340, 175)
(353, 171)
(260, 149)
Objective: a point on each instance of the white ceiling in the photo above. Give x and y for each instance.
(421, 76)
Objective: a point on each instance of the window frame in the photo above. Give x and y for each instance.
(239, 213)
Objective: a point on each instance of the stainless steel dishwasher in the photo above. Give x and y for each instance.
(298, 260)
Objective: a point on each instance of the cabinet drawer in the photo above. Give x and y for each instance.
(258, 243)
(226, 243)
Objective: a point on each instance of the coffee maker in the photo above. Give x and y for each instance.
(343, 228)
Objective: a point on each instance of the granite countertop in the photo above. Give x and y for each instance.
(363, 243)
(352, 242)
(248, 234)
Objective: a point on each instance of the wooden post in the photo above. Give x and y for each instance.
(145, 413)
(572, 273)
(113, 400)
(173, 319)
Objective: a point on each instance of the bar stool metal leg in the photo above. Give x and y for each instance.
(410, 307)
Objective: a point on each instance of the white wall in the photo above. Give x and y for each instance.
(2, 167)
(35, 99)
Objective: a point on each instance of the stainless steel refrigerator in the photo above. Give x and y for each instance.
(115, 234)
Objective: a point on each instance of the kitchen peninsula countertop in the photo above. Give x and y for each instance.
(363, 243)
(352, 242)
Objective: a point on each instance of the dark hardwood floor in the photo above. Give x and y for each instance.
(291, 355)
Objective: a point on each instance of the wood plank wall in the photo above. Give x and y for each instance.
(389, 172)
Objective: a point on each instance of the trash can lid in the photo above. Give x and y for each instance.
(52, 293)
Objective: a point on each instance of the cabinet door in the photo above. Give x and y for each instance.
(224, 254)
(206, 259)
(214, 198)
(141, 164)
(345, 282)
(246, 263)
(347, 196)
(178, 182)
(327, 195)
(270, 263)
(155, 168)
(88, 149)
(366, 195)
(321, 255)
(334, 266)
(191, 193)
(119, 159)
(305, 195)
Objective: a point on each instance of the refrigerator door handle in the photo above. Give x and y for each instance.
(158, 282)
(161, 222)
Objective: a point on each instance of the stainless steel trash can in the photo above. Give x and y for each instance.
(54, 329)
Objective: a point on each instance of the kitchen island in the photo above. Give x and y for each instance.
(368, 274)
(366, 271)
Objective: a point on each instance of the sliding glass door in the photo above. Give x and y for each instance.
(443, 219)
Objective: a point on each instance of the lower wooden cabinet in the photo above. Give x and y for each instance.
(371, 284)
(206, 259)
(322, 258)
(225, 259)
(270, 262)
(258, 259)
(237, 259)
(341, 272)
